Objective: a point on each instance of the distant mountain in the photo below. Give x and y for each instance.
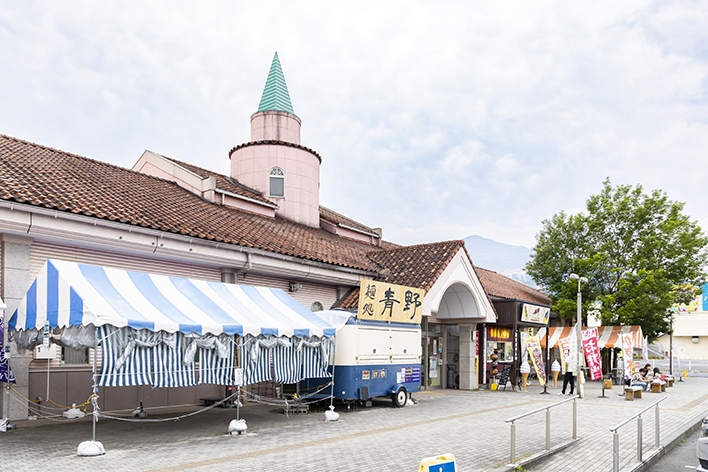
(502, 258)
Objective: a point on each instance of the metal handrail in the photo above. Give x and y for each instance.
(615, 434)
(548, 424)
(637, 414)
(542, 408)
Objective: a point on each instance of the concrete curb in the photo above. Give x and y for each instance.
(525, 461)
(657, 454)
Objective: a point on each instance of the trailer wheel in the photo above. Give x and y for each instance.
(400, 398)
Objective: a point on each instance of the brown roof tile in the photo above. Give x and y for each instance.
(38, 175)
(501, 286)
(417, 266)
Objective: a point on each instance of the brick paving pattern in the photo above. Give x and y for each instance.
(469, 425)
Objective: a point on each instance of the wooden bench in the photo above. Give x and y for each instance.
(669, 381)
(630, 393)
(658, 386)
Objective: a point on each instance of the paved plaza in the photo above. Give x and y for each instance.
(469, 425)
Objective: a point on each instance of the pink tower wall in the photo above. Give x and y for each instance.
(251, 166)
(275, 126)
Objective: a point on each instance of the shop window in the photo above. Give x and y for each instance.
(504, 350)
(277, 182)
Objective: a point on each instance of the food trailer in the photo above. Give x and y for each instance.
(378, 349)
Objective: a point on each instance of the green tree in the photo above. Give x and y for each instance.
(634, 249)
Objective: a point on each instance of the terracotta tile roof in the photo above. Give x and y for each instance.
(223, 182)
(417, 266)
(420, 266)
(501, 286)
(38, 175)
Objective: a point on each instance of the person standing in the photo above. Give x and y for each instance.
(568, 378)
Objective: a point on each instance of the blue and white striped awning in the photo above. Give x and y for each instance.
(71, 294)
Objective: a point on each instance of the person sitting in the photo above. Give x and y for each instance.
(649, 374)
(658, 375)
(639, 379)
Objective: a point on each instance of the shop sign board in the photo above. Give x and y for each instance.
(592, 353)
(499, 334)
(534, 346)
(389, 302)
(535, 314)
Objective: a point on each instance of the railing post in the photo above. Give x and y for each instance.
(575, 419)
(639, 438)
(548, 429)
(656, 426)
(513, 443)
(615, 452)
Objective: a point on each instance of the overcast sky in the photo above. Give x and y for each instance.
(434, 120)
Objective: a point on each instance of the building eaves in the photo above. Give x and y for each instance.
(274, 143)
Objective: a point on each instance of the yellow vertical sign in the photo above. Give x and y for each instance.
(389, 302)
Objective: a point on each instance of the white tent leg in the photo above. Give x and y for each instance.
(93, 447)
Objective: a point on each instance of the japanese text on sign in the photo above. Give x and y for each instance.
(628, 355)
(592, 352)
(388, 302)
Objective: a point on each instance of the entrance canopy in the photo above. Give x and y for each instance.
(71, 294)
(608, 336)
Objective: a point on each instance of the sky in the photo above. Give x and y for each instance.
(434, 120)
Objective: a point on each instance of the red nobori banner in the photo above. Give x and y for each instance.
(592, 352)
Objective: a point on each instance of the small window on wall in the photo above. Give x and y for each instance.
(317, 306)
(74, 356)
(277, 182)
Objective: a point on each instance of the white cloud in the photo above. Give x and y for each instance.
(433, 121)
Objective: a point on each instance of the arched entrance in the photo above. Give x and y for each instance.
(450, 344)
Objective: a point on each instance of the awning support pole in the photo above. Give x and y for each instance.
(95, 387)
(334, 356)
(93, 447)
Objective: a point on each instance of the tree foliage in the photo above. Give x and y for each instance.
(634, 249)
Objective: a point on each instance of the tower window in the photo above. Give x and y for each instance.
(277, 182)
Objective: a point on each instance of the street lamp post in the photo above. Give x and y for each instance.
(580, 280)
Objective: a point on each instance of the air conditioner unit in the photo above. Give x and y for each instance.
(41, 352)
(694, 339)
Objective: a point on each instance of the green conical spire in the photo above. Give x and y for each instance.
(275, 94)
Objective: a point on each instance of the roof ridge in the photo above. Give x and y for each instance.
(439, 243)
(346, 217)
(78, 156)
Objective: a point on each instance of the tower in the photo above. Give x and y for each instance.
(274, 162)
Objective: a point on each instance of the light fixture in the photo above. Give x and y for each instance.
(295, 286)
(579, 359)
